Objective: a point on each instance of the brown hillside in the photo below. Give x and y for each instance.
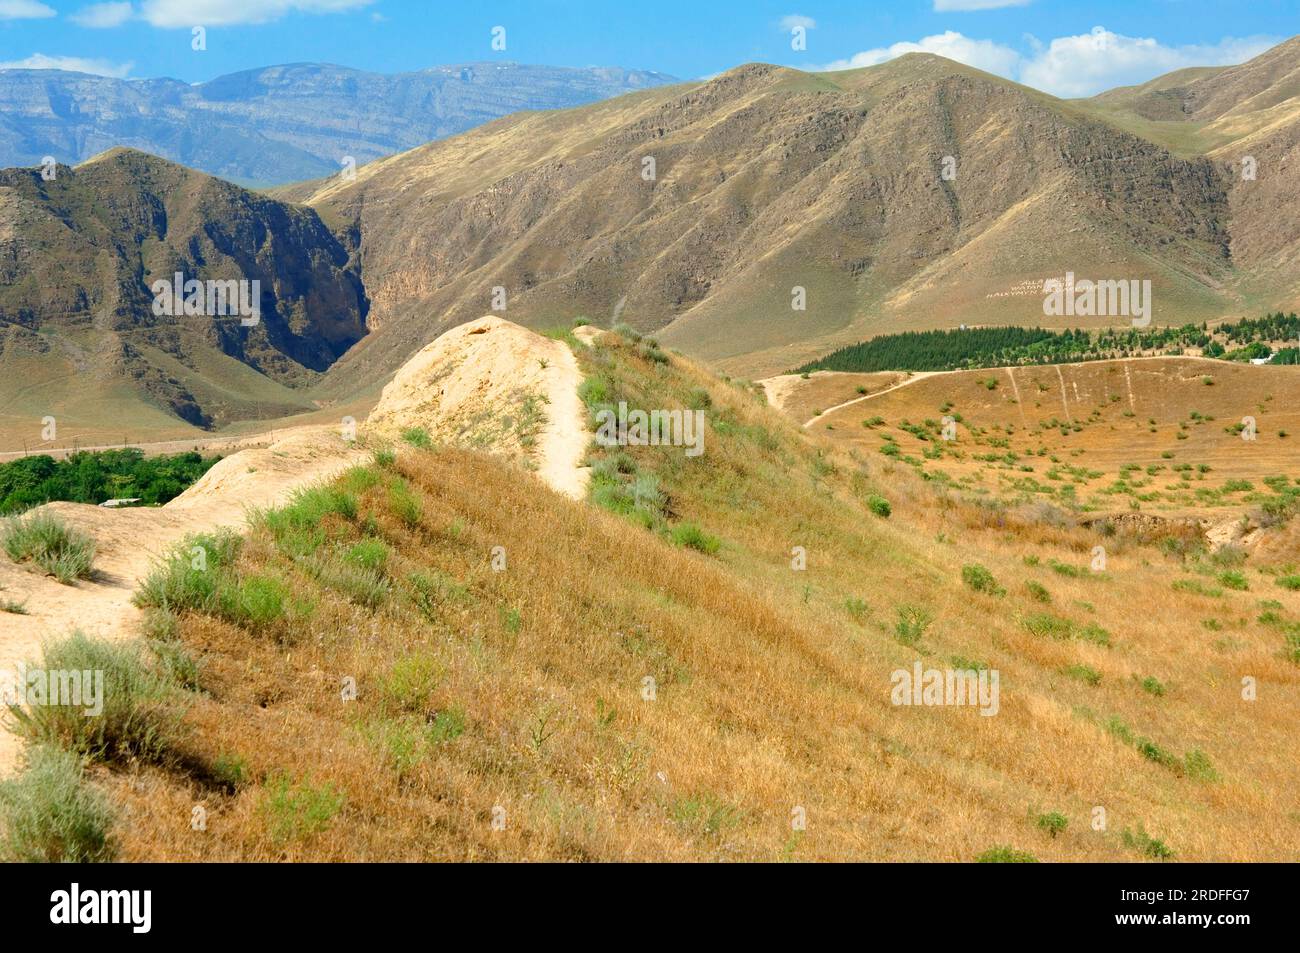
(767, 178)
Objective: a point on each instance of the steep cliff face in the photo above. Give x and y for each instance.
(281, 123)
(81, 254)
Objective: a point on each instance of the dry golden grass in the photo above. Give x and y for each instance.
(773, 691)
(1126, 412)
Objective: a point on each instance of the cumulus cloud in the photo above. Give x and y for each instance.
(24, 10)
(1071, 66)
(1091, 62)
(190, 13)
(73, 64)
(982, 54)
(103, 16)
(962, 6)
(792, 20)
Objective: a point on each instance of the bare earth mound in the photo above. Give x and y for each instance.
(493, 385)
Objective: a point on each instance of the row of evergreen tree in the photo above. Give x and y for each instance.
(968, 348)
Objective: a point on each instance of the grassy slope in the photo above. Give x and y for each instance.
(1128, 412)
(772, 686)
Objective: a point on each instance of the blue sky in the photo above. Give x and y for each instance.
(1068, 47)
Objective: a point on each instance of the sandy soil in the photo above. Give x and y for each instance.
(460, 387)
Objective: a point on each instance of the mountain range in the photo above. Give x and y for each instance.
(916, 194)
(280, 123)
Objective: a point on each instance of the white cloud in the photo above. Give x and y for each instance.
(190, 13)
(963, 6)
(1070, 66)
(792, 20)
(982, 54)
(24, 10)
(74, 64)
(1091, 62)
(103, 16)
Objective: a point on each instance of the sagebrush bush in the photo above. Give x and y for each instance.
(141, 709)
(44, 539)
(50, 814)
(191, 575)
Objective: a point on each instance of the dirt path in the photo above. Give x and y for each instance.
(916, 376)
(563, 442)
(467, 374)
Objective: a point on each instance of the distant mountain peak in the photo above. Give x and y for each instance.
(284, 122)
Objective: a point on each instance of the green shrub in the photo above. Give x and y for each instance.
(448, 725)
(1093, 633)
(1044, 624)
(410, 682)
(1197, 587)
(1053, 822)
(1197, 766)
(1232, 579)
(139, 710)
(692, 537)
(231, 771)
(1065, 569)
(191, 575)
(307, 508)
(1083, 673)
(981, 580)
(403, 503)
(417, 437)
(913, 621)
(1038, 592)
(44, 539)
(369, 554)
(1291, 582)
(1153, 752)
(1005, 855)
(49, 814)
(879, 505)
(358, 479)
(254, 602)
(294, 811)
(1151, 685)
(699, 399)
(1145, 844)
